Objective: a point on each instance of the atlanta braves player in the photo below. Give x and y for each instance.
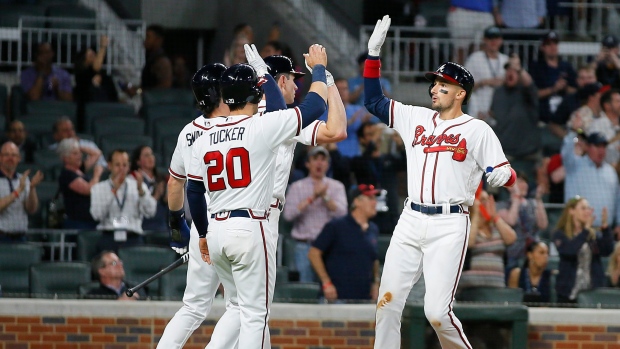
(447, 153)
(234, 162)
(334, 130)
(202, 280)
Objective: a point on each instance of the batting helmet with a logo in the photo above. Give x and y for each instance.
(240, 85)
(454, 73)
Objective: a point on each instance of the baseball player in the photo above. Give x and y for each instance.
(202, 280)
(447, 153)
(234, 163)
(334, 130)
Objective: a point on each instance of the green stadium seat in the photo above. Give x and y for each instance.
(85, 288)
(15, 261)
(10, 14)
(87, 245)
(172, 285)
(118, 126)
(96, 110)
(53, 109)
(288, 257)
(58, 279)
(168, 146)
(282, 275)
(38, 125)
(168, 96)
(157, 238)
(126, 142)
(383, 242)
(157, 113)
(49, 162)
(17, 102)
(4, 98)
(491, 295)
(297, 292)
(72, 12)
(599, 298)
(166, 129)
(142, 262)
(553, 263)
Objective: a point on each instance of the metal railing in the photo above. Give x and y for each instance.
(410, 52)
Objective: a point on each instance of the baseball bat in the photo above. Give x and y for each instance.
(179, 262)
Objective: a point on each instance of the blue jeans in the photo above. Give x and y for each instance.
(302, 263)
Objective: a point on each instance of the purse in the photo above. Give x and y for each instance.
(56, 211)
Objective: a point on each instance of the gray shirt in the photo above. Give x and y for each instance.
(516, 112)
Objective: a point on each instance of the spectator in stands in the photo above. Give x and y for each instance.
(487, 65)
(45, 80)
(119, 204)
(344, 254)
(311, 203)
(580, 247)
(379, 165)
(607, 62)
(556, 174)
(526, 216)
(570, 103)
(608, 124)
(613, 267)
(273, 48)
(63, 129)
(181, 77)
(533, 278)
(16, 133)
(18, 195)
(111, 276)
(92, 83)
(76, 186)
(589, 174)
(522, 14)
(467, 20)
(356, 84)
(356, 115)
(515, 110)
(242, 34)
(554, 77)
(488, 239)
(590, 97)
(143, 162)
(157, 70)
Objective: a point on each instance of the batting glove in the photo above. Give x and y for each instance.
(179, 231)
(328, 76)
(378, 36)
(255, 60)
(498, 176)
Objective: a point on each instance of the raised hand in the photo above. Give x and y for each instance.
(328, 76)
(316, 55)
(378, 36)
(36, 179)
(22, 181)
(255, 60)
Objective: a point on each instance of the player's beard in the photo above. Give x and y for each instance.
(439, 106)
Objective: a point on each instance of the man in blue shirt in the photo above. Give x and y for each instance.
(344, 255)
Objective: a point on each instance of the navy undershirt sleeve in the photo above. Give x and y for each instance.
(273, 95)
(198, 206)
(374, 99)
(311, 108)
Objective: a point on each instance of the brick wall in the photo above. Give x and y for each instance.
(574, 336)
(31, 332)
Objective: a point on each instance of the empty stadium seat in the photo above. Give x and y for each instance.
(71, 11)
(172, 285)
(168, 146)
(38, 125)
(141, 262)
(491, 295)
(282, 275)
(15, 261)
(157, 238)
(297, 292)
(168, 96)
(126, 142)
(288, 258)
(96, 110)
(4, 96)
(86, 247)
(167, 129)
(157, 113)
(383, 242)
(118, 126)
(599, 298)
(10, 14)
(17, 101)
(84, 289)
(53, 109)
(58, 279)
(49, 162)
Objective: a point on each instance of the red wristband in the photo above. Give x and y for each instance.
(512, 179)
(15, 194)
(310, 200)
(372, 68)
(327, 284)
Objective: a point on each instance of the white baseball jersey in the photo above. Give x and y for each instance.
(236, 158)
(445, 158)
(286, 151)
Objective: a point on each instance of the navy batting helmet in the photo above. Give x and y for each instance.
(278, 64)
(206, 85)
(454, 73)
(240, 85)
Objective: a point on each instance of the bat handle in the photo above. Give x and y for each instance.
(129, 292)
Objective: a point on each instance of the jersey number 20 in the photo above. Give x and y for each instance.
(215, 181)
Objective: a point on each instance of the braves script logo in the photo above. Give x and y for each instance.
(457, 146)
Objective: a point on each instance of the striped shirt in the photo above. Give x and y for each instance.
(14, 218)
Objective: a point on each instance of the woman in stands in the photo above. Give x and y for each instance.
(534, 278)
(143, 160)
(92, 84)
(580, 247)
(75, 186)
(488, 239)
(613, 268)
